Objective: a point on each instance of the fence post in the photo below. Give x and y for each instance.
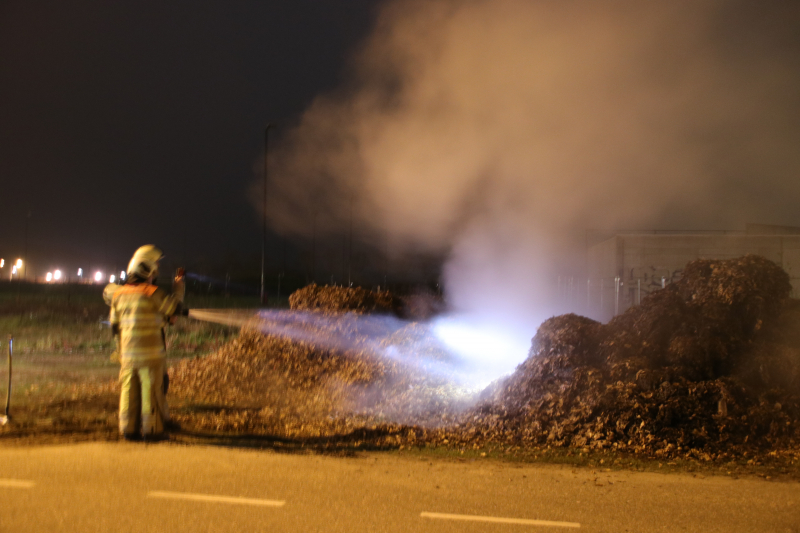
(588, 296)
(639, 291)
(616, 296)
(5, 418)
(602, 289)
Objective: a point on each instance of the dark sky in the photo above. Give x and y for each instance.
(123, 123)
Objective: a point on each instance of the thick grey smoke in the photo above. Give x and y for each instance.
(498, 130)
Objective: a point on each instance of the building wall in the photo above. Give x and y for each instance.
(642, 260)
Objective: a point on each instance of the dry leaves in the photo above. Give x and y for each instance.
(672, 377)
(707, 368)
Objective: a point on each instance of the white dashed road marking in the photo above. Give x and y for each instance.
(16, 483)
(499, 520)
(213, 498)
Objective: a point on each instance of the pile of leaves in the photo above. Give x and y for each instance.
(706, 367)
(267, 383)
(332, 298)
(329, 377)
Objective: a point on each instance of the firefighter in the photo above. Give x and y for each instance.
(139, 313)
(108, 296)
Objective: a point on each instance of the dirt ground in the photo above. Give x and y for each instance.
(61, 398)
(65, 389)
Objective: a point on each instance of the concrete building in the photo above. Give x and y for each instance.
(626, 267)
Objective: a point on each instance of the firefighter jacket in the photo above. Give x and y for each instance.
(139, 312)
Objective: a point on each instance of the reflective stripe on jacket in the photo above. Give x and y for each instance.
(141, 312)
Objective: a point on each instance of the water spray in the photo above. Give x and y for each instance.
(466, 351)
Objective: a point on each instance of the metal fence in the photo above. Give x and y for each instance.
(604, 298)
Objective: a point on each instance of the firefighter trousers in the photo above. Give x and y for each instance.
(141, 401)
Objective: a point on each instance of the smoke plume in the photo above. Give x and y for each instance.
(497, 131)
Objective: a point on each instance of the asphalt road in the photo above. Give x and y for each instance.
(110, 487)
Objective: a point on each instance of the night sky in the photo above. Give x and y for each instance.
(125, 123)
(481, 123)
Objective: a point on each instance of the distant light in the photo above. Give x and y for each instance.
(57, 275)
(112, 278)
(49, 277)
(80, 272)
(2, 263)
(98, 276)
(19, 263)
(13, 269)
(122, 275)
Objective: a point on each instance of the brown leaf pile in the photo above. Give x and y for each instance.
(337, 299)
(706, 368)
(268, 383)
(271, 383)
(691, 371)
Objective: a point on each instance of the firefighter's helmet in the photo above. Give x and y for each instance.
(144, 262)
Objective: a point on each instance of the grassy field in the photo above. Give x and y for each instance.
(73, 319)
(63, 380)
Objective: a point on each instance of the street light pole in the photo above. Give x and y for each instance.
(350, 246)
(314, 249)
(25, 264)
(264, 234)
